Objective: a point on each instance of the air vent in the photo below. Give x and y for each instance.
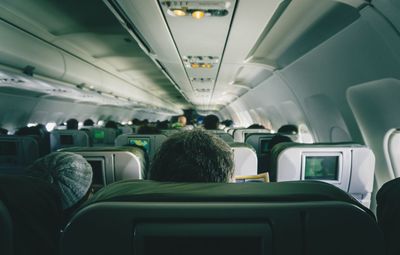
(202, 80)
(10, 81)
(203, 90)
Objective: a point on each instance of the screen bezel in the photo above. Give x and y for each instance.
(103, 170)
(260, 142)
(339, 155)
(63, 136)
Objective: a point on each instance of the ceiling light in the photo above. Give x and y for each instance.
(179, 12)
(198, 14)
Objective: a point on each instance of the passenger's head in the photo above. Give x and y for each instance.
(88, 123)
(148, 130)
(193, 156)
(277, 139)
(72, 124)
(256, 126)
(290, 131)
(111, 124)
(3, 131)
(182, 120)
(69, 173)
(211, 122)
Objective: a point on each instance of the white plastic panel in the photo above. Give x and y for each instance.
(356, 167)
(245, 161)
(391, 145)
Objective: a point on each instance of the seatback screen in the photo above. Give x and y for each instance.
(98, 136)
(66, 140)
(98, 172)
(141, 142)
(321, 168)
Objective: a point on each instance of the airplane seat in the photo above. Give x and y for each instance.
(348, 166)
(111, 164)
(150, 143)
(147, 217)
(6, 231)
(260, 141)
(124, 130)
(240, 135)
(391, 143)
(102, 136)
(68, 138)
(245, 159)
(388, 211)
(16, 153)
(222, 134)
(169, 132)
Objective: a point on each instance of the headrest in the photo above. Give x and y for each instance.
(245, 159)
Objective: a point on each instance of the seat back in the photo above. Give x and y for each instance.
(350, 167)
(260, 141)
(151, 143)
(223, 135)
(111, 164)
(169, 132)
(245, 159)
(103, 136)
(68, 138)
(16, 153)
(198, 218)
(6, 231)
(391, 144)
(240, 134)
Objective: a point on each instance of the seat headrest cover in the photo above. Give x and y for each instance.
(68, 172)
(152, 191)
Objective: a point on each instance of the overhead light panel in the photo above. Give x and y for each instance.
(197, 10)
(199, 14)
(206, 62)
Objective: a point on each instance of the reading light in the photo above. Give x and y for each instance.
(195, 65)
(198, 14)
(179, 12)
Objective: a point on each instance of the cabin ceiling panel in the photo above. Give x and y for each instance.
(88, 30)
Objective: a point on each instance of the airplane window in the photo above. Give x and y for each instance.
(31, 125)
(100, 123)
(305, 135)
(50, 126)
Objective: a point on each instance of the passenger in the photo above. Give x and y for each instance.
(256, 126)
(265, 161)
(36, 213)
(3, 131)
(388, 211)
(72, 124)
(111, 124)
(211, 122)
(148, 130)
(193, 156)
(163, 125)
(289, 130)
(70, 174)
(88, 123)
(181, 122)
(227, 123)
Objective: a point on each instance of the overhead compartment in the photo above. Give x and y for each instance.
(80, 72)
(19, 49)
